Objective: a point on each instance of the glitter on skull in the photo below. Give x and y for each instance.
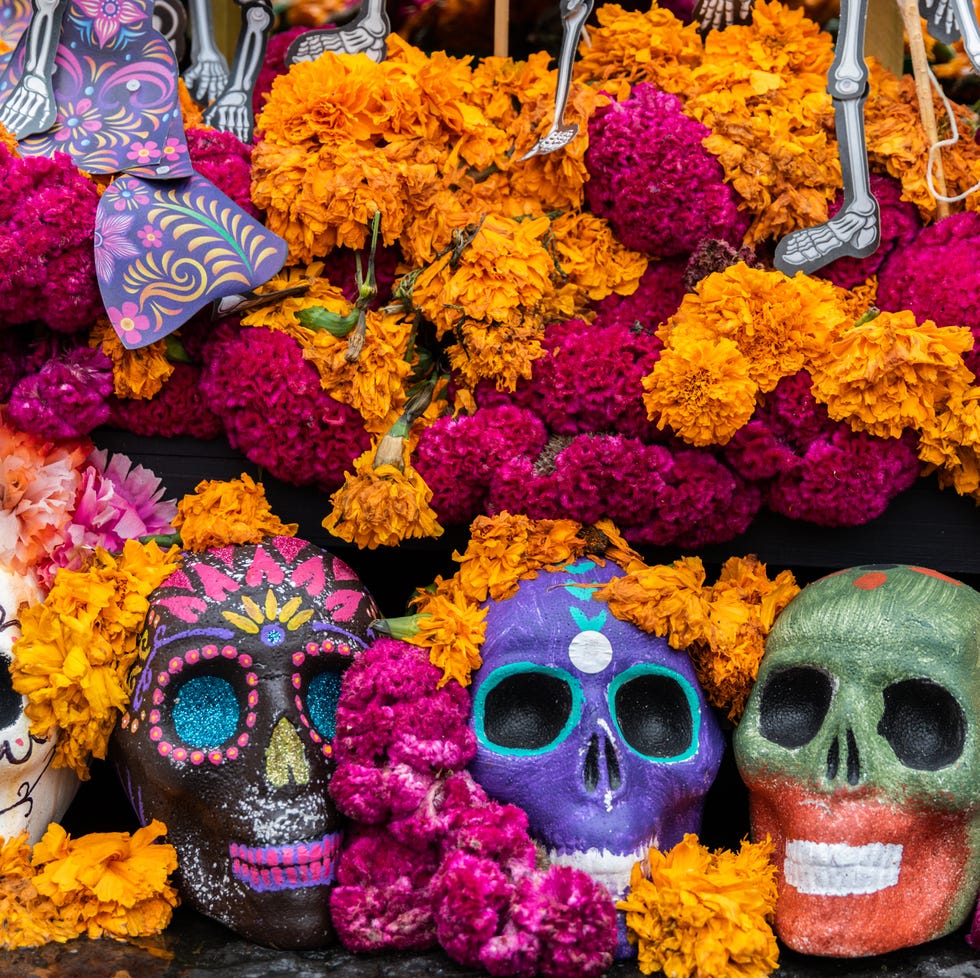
(32, 791)
(228, 737)
(599, 731)
(859, 749)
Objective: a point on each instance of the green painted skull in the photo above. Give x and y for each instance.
(860, 750)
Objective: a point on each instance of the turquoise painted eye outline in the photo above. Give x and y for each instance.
(524, 709)
(668, 735)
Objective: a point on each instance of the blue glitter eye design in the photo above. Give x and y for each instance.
(321, 702)
(206, 711)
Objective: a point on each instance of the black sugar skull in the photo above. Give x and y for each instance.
(228, 737)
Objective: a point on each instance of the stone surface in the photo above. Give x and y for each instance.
(195, 947)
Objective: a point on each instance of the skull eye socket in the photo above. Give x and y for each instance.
(206, 711)
(793, 705)
(656, 712)
(525, 709)
(322, 695)
(923, 723)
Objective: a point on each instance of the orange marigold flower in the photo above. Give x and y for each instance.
(219, 513)
(453, 631)
(693, 913)
(108, 883)
(135, 373)
(700, 388)
(897, 141)
(666, 600)
(761, 90)
(78, 647)
(891, 373)
(949, 443)
(383, 505)
(635, 46)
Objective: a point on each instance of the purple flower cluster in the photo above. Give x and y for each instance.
(66, 398)
(431, 859)
(274, 411)
(47, 223)
(936, 276)
(900, 223)
(649, 176)
(816, 469)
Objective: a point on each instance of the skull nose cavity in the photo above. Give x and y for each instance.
(285, 758)
(853, 766)
(592, 770)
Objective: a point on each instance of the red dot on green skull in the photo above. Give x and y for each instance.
(871, 580)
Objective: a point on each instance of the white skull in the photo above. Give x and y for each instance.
(32, 792)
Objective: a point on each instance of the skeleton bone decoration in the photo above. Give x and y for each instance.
(860, 746)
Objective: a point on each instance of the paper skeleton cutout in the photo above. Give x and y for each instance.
(94, 79)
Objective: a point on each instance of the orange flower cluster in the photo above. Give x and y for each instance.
(382, 504)
(135, 373)
(761, 90)
(78, 648)
(634, 46)
(219, 513)
(723, 625)
(105, 884)
(898, 144)
(736, 335)
(697, 914)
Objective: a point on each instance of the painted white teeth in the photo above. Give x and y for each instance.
(611, 869)
(837, 869)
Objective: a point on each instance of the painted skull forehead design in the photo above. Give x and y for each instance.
(228, 738)
(599, 731)
(32, 793)
(860, 750)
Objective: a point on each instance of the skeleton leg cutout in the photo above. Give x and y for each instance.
(966, 17)
(30, 106)
(574, 14)
(365, 34)
(232, 110)
(855, 230)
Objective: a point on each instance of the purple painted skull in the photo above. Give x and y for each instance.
(228, 737)
(599, 731)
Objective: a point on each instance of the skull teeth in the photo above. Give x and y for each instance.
(837, 869)
(286, 867)
(611, 869)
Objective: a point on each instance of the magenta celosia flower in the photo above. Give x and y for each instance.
(656, 299)
(178, 408)
(457, 457)
(13, 360)
(47, 223)
(68, 397)
(274, 411)
(936, 277)
(590, 379)
(651, 178)
(900, 223)
(226, 161)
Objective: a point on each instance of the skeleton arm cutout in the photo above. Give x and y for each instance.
(208, 73)
(574, 14)
(30, 107)
(232, 109)
(365, 34)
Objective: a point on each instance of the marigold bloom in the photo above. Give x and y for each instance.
(634, 46)
(453, 633)
(78, 647)
(892, 373)
(697, 914)
(949, 443)
(700, 388)
(761, 90)
(135, 373)
(382, 506)
(219, 513)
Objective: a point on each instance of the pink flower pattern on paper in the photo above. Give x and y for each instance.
(142, 153)
(128, 320)
(108, 17)
(150, 236)
(79, 120)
